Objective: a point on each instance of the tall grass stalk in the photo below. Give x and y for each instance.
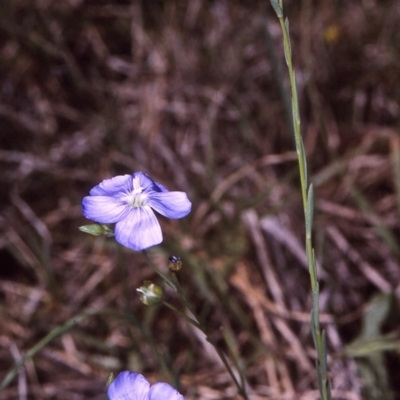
(307, 194)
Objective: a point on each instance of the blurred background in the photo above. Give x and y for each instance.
(195, 94)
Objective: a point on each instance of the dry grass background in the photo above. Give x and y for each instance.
(190, 93)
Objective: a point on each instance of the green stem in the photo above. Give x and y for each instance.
(157, 271)
(307, 198)
(240, 385)
(194, 321)
(176, 286)
(182, 314)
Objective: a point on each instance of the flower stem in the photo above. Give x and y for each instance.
(182, 314)
(194, 321)
(157, 271)
(174, 284)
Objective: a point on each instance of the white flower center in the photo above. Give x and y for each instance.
(136, 198)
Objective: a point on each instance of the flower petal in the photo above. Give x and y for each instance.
(128, 386)
(170, 204)
(148, 184)
(139, 229)
(121, 184)
(103, 209)
(162, 391)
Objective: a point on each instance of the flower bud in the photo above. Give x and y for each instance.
(174, 263)
(97, 230)
(150, 294)
(110, 378)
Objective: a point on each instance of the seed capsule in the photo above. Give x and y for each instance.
(174, 263)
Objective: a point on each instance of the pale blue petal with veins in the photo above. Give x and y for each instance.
(133, 386)
(163, 391)
(129, 386)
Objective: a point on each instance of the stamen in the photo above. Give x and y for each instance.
(136, 185)
(136, 198)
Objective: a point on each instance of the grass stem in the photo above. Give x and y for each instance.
(307, 194)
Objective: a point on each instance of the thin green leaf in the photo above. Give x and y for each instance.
(313, 330)
(277, 6)
(310, 210)
(303, 160)
(316, 307)
(323, 360)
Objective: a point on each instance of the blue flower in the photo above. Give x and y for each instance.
(127, 201)
(133, 386)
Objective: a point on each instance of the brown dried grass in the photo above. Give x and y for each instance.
(190, 93)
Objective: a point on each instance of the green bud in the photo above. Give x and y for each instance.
(150, 294)
(110, 378)
(97, 230)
